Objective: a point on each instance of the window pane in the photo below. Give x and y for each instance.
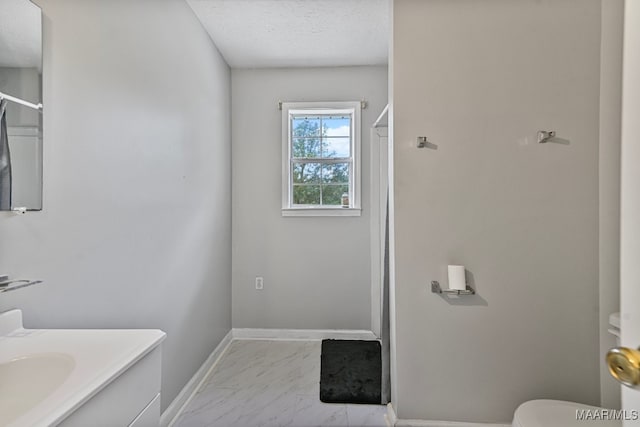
(336, 147)
(336, 126)
(305, 126)
(306, 194)
(332, 194)
(306, 173)
(335, 173)
(306, 148)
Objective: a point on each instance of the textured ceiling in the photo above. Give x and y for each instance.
(20, 34)
(297, 33)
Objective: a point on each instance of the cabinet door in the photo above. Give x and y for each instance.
(150, 416)
(123, 400)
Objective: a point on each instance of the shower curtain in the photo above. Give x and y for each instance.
(5, 160)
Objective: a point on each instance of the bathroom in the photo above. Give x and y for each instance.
(161, 204)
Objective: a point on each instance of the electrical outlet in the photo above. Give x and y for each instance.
(259, 283)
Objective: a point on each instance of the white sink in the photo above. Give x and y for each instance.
(26, 381)
(47, 375)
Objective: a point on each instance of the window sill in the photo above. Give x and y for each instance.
(321, 212)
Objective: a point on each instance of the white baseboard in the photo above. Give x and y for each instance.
(393, 421)
(424, 423)
(170, 415)
(390, 417)
(301, 334)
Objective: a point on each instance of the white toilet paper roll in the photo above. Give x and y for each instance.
(456, 277)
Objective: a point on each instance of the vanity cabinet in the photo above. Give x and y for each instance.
(132, 399)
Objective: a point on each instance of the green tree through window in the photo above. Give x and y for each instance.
(321, 147)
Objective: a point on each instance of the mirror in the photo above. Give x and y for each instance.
(20, 105)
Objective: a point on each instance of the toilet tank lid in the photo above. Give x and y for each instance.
(614, 320)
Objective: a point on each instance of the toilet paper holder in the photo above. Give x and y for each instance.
(436, 289)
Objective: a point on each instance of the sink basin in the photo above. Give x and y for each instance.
(27, 380)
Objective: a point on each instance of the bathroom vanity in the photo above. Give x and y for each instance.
(56, 377)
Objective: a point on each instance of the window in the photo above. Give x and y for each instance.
(321, 156)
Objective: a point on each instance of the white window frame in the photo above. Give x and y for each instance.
(291, 108)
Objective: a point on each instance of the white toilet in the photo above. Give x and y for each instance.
(558, 413)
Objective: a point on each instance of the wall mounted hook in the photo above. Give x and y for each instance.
(545, 135)
(423, 142)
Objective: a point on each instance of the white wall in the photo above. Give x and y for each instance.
(609, 167)
(316, 270)
(136, 226)
(480, 79)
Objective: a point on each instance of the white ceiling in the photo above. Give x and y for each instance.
(297, 33)
(20, 34)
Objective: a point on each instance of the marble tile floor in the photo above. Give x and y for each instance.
(271, 384)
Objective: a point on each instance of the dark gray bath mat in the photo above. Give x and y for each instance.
(350, 372)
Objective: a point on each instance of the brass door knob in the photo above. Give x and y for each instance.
(624, 365)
